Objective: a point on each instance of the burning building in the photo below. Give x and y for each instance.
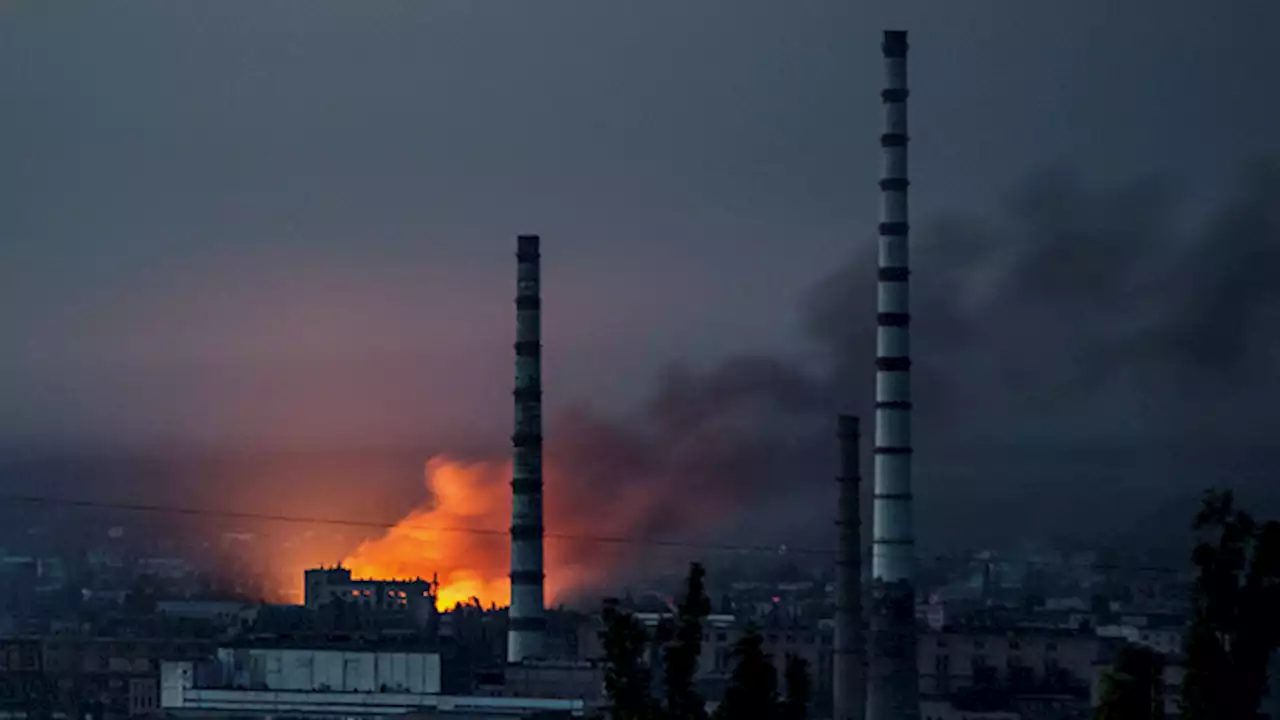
(411, 600)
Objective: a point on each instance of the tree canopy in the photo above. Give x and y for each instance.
(627, 678)
(1133, 689)
(752, 692)
(1234, 628)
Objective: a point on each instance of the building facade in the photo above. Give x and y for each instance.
(411, 601)
(299, 682)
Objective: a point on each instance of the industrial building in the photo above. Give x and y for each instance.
(411, 602)
(284, 682)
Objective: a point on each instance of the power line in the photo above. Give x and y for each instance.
(568, 537)
(385, 525)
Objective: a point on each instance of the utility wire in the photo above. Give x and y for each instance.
(570, 537)
(384, 525)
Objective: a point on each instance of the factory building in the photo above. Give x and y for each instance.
(364, 682)
(412, 602)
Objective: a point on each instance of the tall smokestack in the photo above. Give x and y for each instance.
(850, 662)
(893, 692)
(526, 623)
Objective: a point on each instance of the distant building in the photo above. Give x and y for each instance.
(411, 600)
(227, 613)
(944, 710)
(78, 676)
(262, 682)
(1032, 674)
(953, 660)
(811, 641)
(579, 680)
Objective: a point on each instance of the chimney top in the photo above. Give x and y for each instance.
(847, 426)
(895, 43)
(527, 247)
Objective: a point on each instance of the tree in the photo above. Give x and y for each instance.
(681, 651)
(795, 706)
(1233, 629)
(626, 677)
(1133, 689)
(752, 693)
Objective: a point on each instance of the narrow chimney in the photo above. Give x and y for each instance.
(894, 688)
(850, 662)
(526, 622)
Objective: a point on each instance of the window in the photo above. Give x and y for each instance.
(1051, 647)
(979, 645)
(942, 642)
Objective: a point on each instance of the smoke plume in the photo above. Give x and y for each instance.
(1077, 348)
(1080, 354)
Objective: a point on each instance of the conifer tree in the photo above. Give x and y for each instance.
(1133, 689)
(681, 652)
(795, 706)
(627, 678)
(752, 693)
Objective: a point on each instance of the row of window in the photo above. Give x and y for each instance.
(979, 644)
(770, 638)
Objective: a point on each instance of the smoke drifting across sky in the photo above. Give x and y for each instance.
(278, 224)
(1086, 358)
(1080, 347)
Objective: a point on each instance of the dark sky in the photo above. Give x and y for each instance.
(292, 223)
(295, 220)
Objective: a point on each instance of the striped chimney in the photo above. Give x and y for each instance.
(893, 690)
(850, 659)
(526, 621)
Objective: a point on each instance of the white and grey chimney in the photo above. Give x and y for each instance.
(893, 689)
(526, 619)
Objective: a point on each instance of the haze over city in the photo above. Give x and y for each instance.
(256, 267)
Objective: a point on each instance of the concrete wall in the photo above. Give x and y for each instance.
(179, 695)
(946, 660)
(331, 670)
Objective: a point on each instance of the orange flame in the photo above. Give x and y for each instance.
(461, 536)
(458, 537)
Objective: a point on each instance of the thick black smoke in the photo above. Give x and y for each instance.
(1084, 358)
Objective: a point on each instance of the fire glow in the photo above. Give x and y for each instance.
(459, 535)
